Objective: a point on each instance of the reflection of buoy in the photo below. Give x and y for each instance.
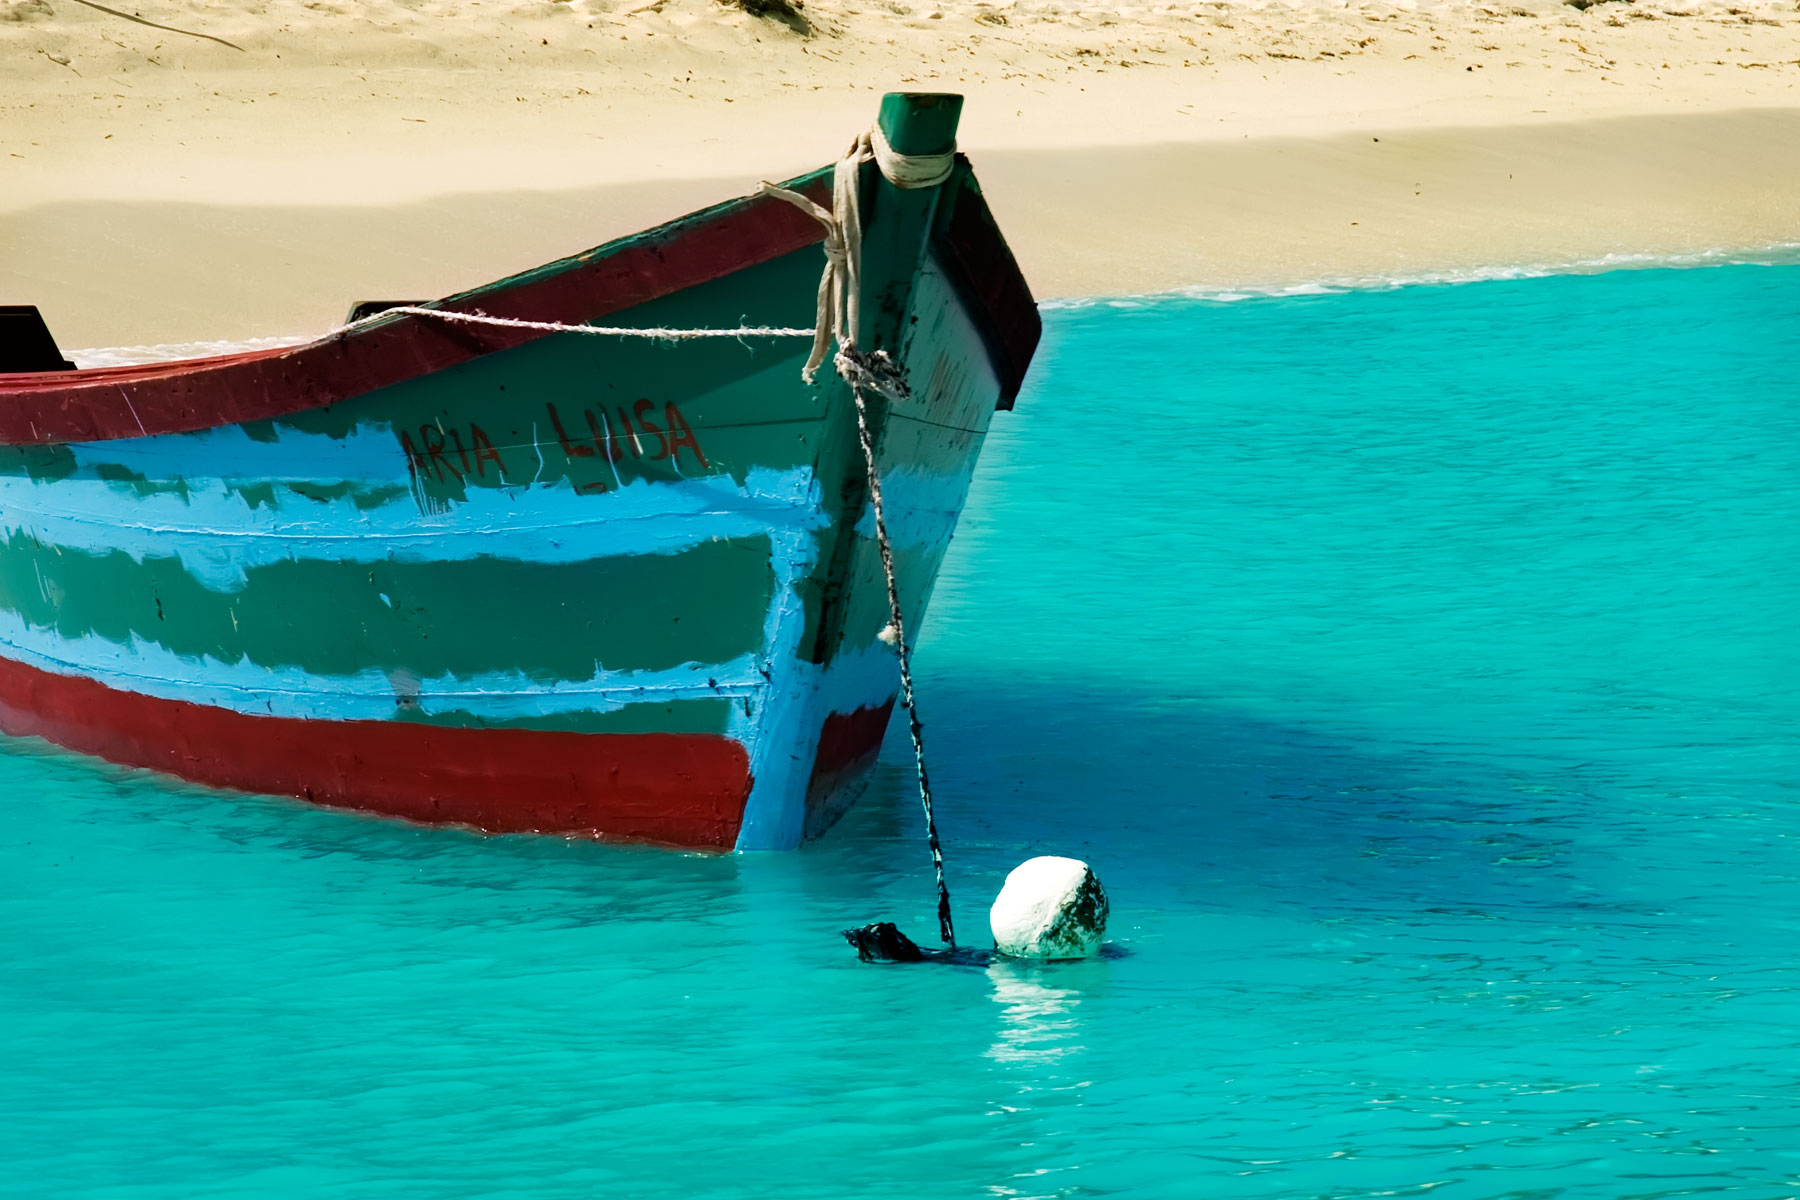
(1049, 908)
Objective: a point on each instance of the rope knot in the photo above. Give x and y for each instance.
(875, 372)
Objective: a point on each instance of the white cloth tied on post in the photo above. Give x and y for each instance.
(840, 287)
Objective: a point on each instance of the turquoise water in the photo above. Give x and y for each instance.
(1418, 669)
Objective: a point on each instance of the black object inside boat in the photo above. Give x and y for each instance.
(25, 342)
(368, 308)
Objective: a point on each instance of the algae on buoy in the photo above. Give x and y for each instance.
(1049, 907)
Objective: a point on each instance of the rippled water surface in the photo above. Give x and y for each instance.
(1418, 669)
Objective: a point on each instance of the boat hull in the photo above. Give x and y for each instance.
(609, 587)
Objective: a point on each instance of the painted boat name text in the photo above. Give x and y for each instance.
(445, 455)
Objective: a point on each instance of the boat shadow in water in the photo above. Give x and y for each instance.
(1180, 803)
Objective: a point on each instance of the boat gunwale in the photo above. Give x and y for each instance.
(191, 394)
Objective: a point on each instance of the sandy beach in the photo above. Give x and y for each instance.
(161, 187)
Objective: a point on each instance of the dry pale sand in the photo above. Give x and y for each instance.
(159, 187)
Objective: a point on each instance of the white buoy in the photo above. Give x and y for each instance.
(1050, 907)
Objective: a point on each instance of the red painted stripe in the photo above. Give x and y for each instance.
(849, 739)
(123, 402)
(676, 789)
(848, 745)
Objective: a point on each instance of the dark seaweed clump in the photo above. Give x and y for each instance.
(785, 11)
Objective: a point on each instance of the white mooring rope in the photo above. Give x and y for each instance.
(660, 334)
(839, 317)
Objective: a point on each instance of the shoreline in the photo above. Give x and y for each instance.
(159, 189)
(1777, 255)
(1259, 217)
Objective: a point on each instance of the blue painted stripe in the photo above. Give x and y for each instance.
(151, 670)
(217, 536)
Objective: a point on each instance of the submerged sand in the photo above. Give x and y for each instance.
(159, 187)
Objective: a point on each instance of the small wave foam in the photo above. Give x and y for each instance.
(1782, 254)
(131, 356)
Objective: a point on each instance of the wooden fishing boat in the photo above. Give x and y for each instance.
(520, 579)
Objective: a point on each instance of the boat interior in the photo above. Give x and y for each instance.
(25, 342)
